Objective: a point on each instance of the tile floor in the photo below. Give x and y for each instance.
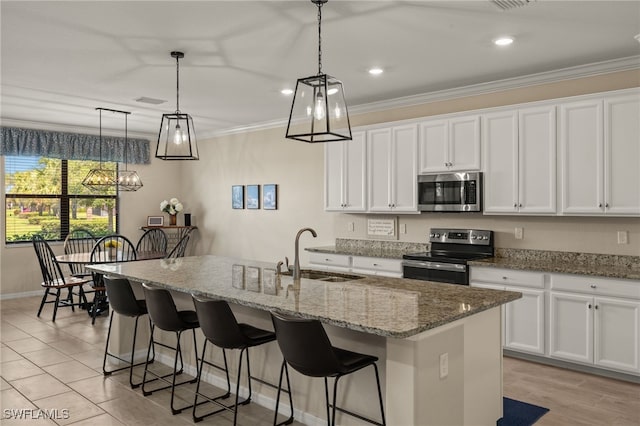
(56, 366)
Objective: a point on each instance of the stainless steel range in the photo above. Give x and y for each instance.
(447, 259)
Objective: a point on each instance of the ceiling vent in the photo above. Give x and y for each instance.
(510, 4)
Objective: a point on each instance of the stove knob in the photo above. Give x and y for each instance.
(437, 235)
(473, 237)
(485, 238)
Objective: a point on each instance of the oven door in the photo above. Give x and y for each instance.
(452, 273)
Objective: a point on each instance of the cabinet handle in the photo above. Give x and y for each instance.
(504, 278)
(606, 205)
(327, 260)
(589, 305)
(375, 264)
(515, 205)
(596, 306)
(592, 286)
(600, 205)
(520, 205)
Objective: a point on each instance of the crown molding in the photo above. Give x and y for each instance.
(570, 73)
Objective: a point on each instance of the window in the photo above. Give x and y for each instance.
(45, 196)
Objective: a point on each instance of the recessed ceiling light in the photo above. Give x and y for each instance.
(376, 71)
(286, 92)
(503, 41)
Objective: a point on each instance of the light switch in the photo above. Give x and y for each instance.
(623, 237)
(352, 226)
(519, 233)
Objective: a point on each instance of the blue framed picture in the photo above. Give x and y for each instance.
(237, 196)
(253, 196)
(270, 197)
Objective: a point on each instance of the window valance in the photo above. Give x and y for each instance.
(72, 146)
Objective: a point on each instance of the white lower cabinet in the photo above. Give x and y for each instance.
(330, 262)
(377, 266)
(594, 328)
(523, 319)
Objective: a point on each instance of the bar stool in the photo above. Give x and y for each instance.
(124, 302)
(165, 316)
(306, 347)
(221, 328)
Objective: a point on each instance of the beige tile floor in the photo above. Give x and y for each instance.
(47, 365)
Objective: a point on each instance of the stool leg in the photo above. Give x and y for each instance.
(175, 366)
(106, 347)
(384, 422)
(335, 393)
(326, 394)
(248, 400)
(283, 371)
(146, 364)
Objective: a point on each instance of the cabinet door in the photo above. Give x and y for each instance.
(481, 284)
(524, 321)
(333, 176)
(622, 155)
(500, 136)
(404, 191)
(617, 334)
(464, 143)
(379, 170)
(434, 136)
(537, 160)
(571, 327)
(581, 147)
(355, 172)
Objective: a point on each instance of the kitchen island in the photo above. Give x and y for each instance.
(414, 327)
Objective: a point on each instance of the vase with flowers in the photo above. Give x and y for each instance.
(172, 207)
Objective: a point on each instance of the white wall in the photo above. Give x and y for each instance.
(266, 157)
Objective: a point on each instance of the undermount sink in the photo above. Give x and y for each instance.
(327, 276)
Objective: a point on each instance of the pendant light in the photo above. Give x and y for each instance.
(128, 180)
(177, 138)
(100, 180)
(319, 111)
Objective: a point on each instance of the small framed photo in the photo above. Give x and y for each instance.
(253, 196)
(237, 276)
(155, 220)
(270, 197)
(269, 285)
(237, 196)
(252, 278)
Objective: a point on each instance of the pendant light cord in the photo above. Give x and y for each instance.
(126, 142)
(177, 85)
(319, 39)
(100, 138)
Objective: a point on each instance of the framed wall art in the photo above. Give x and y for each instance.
(237, 196)
(155, 220)
(253, 196)
(270, 196)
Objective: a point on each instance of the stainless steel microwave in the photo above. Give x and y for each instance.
(450, 192)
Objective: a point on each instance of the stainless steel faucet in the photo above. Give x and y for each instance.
(296, 260)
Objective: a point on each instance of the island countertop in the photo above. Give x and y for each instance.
(390, 307)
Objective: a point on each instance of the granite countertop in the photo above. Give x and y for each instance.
(390, 307)
(600, 265)
(371, 248)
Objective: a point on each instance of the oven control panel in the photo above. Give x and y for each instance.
(460, 236)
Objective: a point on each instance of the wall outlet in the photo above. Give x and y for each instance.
(351, 226)
(623, 237)
(519, 233)
(444, 365)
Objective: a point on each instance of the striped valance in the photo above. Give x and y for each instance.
(72, 146)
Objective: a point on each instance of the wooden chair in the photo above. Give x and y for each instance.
(79, 240)
(153, 240)
(180, 248)
(112, 248)
(53, 278)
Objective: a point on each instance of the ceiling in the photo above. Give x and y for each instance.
(62, 59)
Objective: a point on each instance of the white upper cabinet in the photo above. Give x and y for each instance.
(450, 144)
(520, 161)
(392, 169)
(600, 153)
(345, 174)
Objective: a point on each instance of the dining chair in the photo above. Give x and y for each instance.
(80, 240)
(52, 277)
(180, 247)
(112, 248)
(306, 347)
(153, 240)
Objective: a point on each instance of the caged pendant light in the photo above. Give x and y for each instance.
(100, 180)
(128, 180)
(177, 138)
(319, 111)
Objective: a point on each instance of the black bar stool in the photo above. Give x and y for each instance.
(165, 315)
(306, 347)
(124, 302)
(221, 328)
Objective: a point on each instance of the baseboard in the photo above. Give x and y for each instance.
(571, 366)
(21, 295)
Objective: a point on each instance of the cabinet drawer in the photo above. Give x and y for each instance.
(330, 259)
(377, 264)
(507, 277)
(596, 285)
